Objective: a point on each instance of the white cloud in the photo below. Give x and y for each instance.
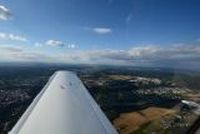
(4, 13)
(72, 46)
(9, 36)
(37, 44)
(101, 30)
(55, 43)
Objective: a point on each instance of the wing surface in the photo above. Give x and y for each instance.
(64, 106)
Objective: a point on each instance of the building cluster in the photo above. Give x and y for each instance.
(145, 80)
(12, 96)
(163, 90)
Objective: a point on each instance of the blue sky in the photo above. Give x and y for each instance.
(70, 30)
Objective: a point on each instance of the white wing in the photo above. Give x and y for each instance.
(64, 106)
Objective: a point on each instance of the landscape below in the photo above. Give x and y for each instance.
(136, 100)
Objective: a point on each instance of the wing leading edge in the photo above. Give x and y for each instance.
(64, 106)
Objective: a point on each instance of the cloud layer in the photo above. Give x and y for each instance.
(13, 53)
(4, 13)
(183, 56)
(145, 55)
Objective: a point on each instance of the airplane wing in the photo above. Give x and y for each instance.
(64, 106)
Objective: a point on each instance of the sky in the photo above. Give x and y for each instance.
(117, 32)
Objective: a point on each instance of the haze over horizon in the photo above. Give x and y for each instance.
(114, 32)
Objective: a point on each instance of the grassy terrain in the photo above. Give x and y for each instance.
(132, 121)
